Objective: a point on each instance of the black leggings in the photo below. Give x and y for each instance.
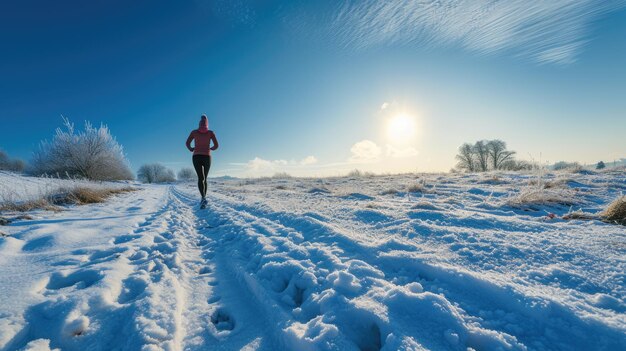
(202, 164)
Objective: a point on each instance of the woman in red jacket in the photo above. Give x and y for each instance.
(202, 148)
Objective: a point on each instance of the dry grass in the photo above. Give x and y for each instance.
(389, 192)
(531, 196)
(417, 188)
(556, 183)
(85, 195)
(616, 211)
(25, 206)
(425, 205)
(494, 179)
(580, 215)
(78, 195)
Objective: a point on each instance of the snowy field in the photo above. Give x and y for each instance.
(408, 262)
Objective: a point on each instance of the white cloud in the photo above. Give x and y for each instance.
(552, 31)
(259, 164)
(395, 152)
(384, 106)
(365, 151)
(309, 160)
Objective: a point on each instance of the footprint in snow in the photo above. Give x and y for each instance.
(132, 287)
(125, 238)
(39, 243)
(106, 254)
(81, 279)
(222, 320)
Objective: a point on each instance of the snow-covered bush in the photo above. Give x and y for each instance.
(357, 173)
(155, 173)
(8, 164)
(92, 153)
(186, 174)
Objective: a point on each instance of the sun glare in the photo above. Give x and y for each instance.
(401, 128)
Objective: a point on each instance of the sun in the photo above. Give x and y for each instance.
(401, 128)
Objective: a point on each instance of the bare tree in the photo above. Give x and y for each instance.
(487, 155)
(186, 174)
(92, 153)
(466, 159)
(481, 153)
(498, 154)
(155, 173)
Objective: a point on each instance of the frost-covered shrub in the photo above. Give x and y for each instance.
(155, 173)
(186, 174)
(568, 166)
(8, 164)
(356, 173)
(92, 153)
(518, 165)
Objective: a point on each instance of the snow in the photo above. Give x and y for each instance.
(460, 262)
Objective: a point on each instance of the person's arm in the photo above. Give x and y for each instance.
(215, 143)
(188, 143)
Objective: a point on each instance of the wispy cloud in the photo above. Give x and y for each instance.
(553, 31)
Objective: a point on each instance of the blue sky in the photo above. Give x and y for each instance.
(313, 87)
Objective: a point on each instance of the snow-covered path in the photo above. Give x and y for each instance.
(153, 286)
(293, 265)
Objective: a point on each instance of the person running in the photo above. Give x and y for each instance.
(202, 148)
